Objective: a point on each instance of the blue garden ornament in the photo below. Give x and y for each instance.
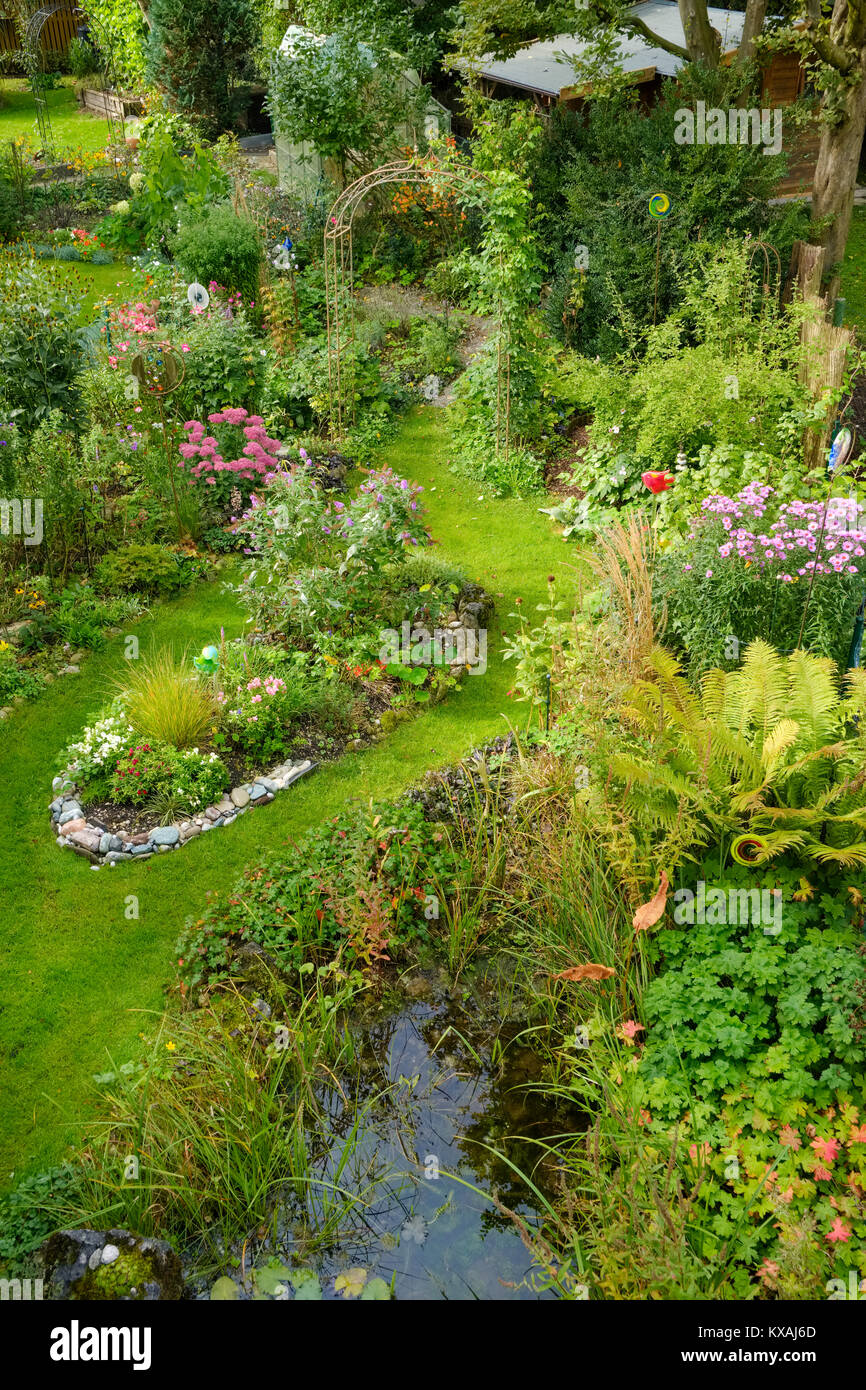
(208, 663)
(841, 449)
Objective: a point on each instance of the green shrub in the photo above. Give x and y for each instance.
(40, 340)
(11, 215)
(592, 182)
(82, 58)
(145, 569)
(431, 347)
(381, 859)
(224, 367)
(197, 50)
(219, 245)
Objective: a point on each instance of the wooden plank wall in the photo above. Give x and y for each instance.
(57, 31)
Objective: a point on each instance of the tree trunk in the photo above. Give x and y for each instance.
(756, 11)
(836, 172)
(702, 40)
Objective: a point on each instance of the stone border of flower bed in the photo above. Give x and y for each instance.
(94, 842)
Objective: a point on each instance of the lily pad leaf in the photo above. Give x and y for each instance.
(270, 1277)
(350, 1282)
(306, 1285)
(376, 1291)
(224, 1290)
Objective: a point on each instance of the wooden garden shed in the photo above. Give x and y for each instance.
(542, 72)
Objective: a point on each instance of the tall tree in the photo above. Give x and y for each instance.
(839, 42)
(197, 51)
(829, 34)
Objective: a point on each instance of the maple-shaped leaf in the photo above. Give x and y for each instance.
(858, 1134)
(856, 896)
(590, 971)
(789, 1138)
(649, 913)
(350, 1282)
(826, 1149)
(804, 893)
(838, 1231)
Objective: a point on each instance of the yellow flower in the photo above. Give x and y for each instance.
(171, 1046)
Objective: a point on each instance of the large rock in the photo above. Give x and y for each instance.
(240, 796)
(110, 1266)
(166, 835)
(87, 839)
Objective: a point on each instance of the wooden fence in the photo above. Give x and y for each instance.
(57, 31)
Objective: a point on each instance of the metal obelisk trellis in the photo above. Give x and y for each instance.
(339, 289)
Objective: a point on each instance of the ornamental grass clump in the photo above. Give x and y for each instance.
(167, 702)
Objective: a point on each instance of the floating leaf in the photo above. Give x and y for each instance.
(306, 1286)
(350, 1282)
(377, 1291)
(224, 1290)
(269, 1278)
(415, 1229)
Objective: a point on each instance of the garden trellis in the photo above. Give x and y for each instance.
(108, 70)
(32, 61)
(339, 281)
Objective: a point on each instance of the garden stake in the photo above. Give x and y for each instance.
(659, 207)
(857, 638)
(845, 440)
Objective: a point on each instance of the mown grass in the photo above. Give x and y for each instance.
(72, 128)
(854, 273)
(76, 971)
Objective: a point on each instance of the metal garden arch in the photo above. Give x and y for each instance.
(339, 273)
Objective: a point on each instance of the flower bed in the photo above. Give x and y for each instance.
(95, 841)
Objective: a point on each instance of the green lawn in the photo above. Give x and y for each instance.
(101, 281)
(96, 282)
(75, 972)
(854, 273)
(71, 127)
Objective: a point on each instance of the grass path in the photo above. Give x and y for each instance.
(75, 970)
(73, 128)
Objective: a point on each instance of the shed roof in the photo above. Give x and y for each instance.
(537, 69)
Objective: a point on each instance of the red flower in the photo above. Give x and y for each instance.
(657, 482)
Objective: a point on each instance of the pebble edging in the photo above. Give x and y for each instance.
(101, 846)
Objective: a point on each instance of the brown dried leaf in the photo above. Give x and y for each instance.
(585, 972)
(649, 913)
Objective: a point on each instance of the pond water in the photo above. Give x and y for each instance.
(438, 1110)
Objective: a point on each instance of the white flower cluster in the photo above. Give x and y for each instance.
(100, 744)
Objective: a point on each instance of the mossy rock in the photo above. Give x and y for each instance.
(143, 1270)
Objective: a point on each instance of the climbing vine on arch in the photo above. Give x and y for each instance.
(504, 271)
